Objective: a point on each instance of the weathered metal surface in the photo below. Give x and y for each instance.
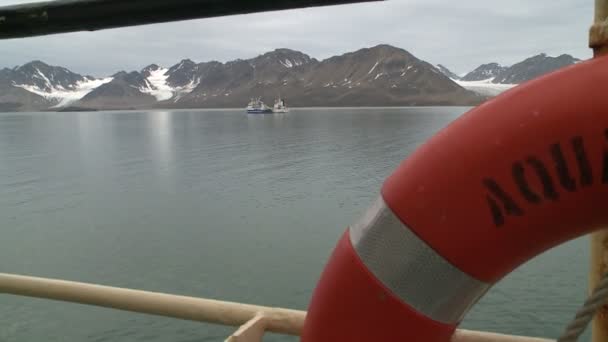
(599, 267)
(598, 33)
(88, 15)
(598, 41)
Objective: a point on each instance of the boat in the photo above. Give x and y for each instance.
(254, 321)
(256, 106)
(279, 106)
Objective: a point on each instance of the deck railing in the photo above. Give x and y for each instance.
(253, 320)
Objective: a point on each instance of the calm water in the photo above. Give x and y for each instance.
(216, 204)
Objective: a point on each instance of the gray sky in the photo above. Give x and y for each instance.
(459, 34)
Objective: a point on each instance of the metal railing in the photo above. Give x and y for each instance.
(253, 320)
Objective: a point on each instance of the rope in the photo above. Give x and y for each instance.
(586, 312)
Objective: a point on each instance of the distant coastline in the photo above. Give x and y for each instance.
(380, 76)
(235, 109)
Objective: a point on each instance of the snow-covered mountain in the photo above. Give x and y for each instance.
(485, 87)
(56, 86)
(533, 67)
(379, 76)
(190, 84)
(491, 79)
(484, 72)
(444, 70)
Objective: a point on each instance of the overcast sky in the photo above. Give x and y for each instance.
(459, 34)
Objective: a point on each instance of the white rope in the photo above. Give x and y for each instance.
(586, 312)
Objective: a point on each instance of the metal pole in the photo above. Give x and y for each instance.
(598, 33)
(478, 336)
(599, 266)
(279, 320)
(61, 16)
(598, 41)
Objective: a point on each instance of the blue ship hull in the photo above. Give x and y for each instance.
(259, 111)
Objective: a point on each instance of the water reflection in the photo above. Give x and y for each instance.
(217, 204)
(160, 131)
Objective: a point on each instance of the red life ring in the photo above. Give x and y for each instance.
(525, 171)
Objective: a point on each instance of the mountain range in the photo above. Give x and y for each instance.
(490, 79)
(379, 76)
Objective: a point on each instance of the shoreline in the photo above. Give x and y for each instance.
(228, 109)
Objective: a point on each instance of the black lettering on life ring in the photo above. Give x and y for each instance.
(565, 179)
(605, 169)
(549, 190)
(519, 176)
(584, 167)
(502, 204)
(497, 194)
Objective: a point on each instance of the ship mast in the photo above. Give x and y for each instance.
(598, 41)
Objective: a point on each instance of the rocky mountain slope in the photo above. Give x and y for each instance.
(491, 79)
(379, 76)
(533, 67)
(484, 72)
(36, 85)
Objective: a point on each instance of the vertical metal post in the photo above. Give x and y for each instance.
(598, 41)
(598, 34)
(599, 266)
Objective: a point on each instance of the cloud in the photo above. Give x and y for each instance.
(458, 34)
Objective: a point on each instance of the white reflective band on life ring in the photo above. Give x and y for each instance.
(411, 269)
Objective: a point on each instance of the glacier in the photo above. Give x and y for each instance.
(65, 96)
(156, 85)
(485, 87)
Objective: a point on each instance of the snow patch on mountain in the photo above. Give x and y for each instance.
(156, 85)
(62, 95)
(485, 87)
(374, 67)
(186, 89)
(41, 76)
(405, 70)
